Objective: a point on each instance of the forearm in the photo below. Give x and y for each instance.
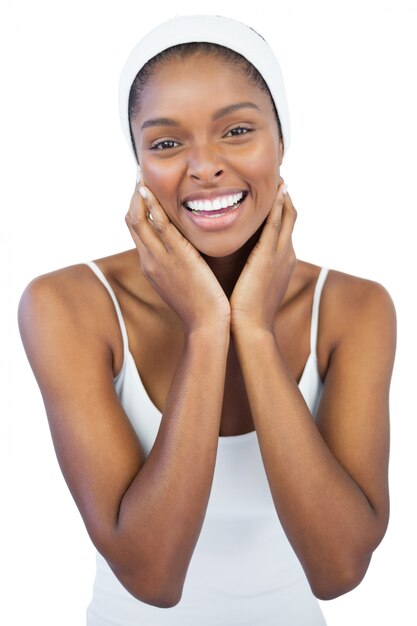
(162, 512)
(326, 516)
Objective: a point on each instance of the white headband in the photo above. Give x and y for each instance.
(215, 29)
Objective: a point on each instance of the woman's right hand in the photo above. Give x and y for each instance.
(174, 267)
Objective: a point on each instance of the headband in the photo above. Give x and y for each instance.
(224, 31)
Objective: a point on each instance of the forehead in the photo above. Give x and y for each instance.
(200, 76)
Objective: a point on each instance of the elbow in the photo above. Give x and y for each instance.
(345, 570)
(160, 601)
(146, 577)
(159, 597)
(148, 586)
(336, 583)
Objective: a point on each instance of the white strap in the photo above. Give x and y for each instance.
(106, 283)
(315, 312)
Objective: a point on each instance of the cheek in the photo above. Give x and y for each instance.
(263, 174)
(261, 163)
(156, 176)
(163, 183)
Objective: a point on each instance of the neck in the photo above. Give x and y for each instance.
(227, 269)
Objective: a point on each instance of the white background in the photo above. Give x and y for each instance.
(66, 181)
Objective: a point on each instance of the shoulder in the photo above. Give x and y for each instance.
(56, 318)
(353, 310)
(75, 303)
(67, 298)
(70, 290)
(353, 300)
(78, 289)
(344, 295)
(359, 320)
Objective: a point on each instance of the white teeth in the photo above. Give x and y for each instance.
(215, 205)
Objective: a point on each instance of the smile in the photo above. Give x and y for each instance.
(217, 219)
(218, 206)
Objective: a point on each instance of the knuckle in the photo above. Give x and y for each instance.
(276, 223)
(159, 226)
(292, 259)
(149, 203)
(178, 264)
(134, 222)
(152, 270)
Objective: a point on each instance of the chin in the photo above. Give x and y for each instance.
(226, 242)
(221, 247)
(217, 252)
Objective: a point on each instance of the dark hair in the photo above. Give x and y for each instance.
(185, 50)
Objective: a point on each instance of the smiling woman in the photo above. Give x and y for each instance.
(226, 445)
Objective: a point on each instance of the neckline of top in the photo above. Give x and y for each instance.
(244, 436)
(222, 438)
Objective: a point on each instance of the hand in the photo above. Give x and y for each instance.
(174, 267)
(264, 280)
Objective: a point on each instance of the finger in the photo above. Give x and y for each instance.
(289, 216)
(157, 216)
(141, 185)
(140, 246)
(272, 226)
(139, 225)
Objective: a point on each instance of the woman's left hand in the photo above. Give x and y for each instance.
(264, 280)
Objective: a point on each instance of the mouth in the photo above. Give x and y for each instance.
(213, 213)
(217, 219)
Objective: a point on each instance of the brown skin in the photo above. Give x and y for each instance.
(250, 348)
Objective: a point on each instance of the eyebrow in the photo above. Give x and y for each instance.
(168, 121)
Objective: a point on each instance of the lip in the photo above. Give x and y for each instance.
(217, 223)
(211, 195)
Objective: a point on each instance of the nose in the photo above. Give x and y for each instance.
(205, 165)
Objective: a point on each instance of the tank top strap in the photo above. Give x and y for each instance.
(315, 311)
(106, 283)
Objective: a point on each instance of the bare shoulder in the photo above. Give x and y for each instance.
(70, 297)
(73, 299)
(351, 300)
(357, 286)
(71, 292)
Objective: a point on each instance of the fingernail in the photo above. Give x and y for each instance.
(285, 189)
(143, 192)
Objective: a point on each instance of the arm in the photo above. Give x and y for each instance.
(329, 478)
(144, 516)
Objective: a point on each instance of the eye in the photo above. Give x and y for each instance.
(162, 145)
(240, 128)
(158, 145)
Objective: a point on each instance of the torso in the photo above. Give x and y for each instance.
(155, 330)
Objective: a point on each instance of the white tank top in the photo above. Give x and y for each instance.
(244, 570)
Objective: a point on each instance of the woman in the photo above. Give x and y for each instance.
(226, 445)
